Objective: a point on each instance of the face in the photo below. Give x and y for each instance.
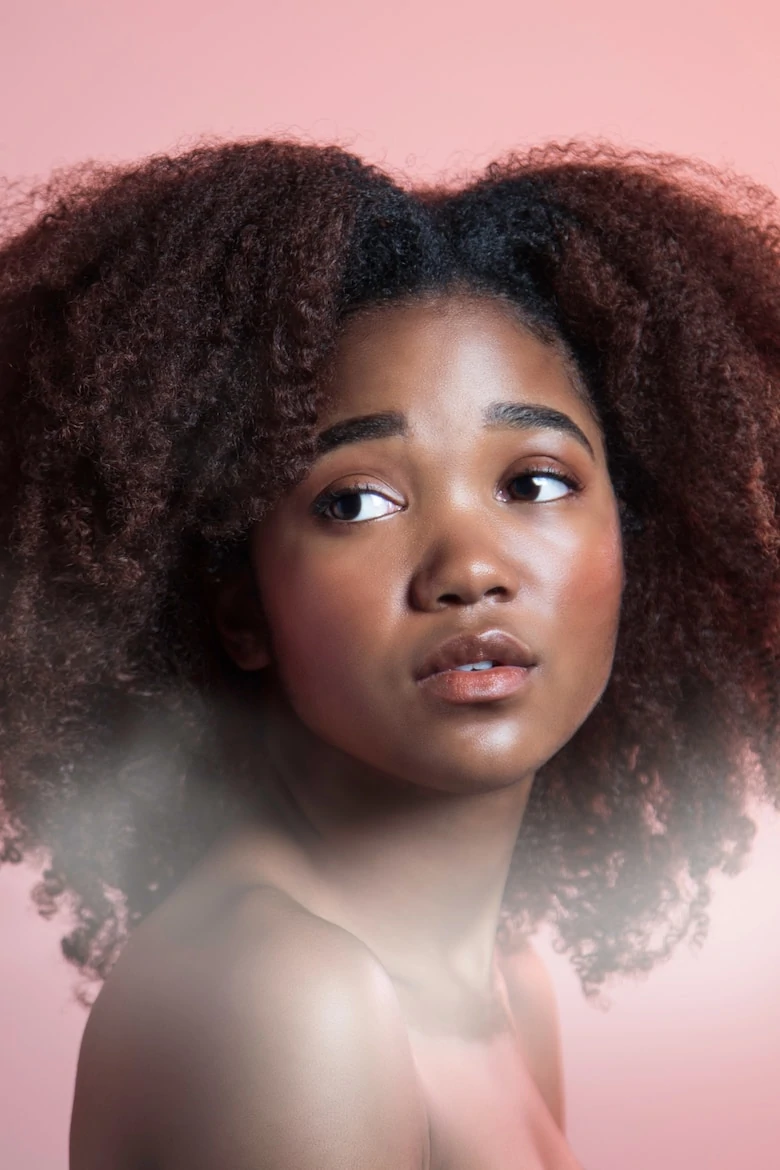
(448, 525)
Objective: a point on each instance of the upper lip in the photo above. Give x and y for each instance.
(483, 646)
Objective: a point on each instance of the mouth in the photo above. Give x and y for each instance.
(476, 653)
(478, 667)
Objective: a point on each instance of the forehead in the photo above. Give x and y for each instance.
(447, 358)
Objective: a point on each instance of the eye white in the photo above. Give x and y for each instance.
(555, 488)
(362, 494)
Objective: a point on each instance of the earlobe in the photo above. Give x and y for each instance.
(245, 649)
(239, 620)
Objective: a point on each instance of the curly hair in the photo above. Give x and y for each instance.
(166, 330)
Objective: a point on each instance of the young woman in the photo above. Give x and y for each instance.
(384, 571)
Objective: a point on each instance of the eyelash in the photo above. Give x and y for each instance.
(323, 502)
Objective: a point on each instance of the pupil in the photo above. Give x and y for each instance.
(352, 503)
(531, 488)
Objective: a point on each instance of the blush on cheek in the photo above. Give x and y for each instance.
(590, 610)
(601, 568)
(600, 585)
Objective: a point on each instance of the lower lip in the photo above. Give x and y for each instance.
(477, 686)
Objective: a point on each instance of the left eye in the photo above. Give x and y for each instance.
(542, 486)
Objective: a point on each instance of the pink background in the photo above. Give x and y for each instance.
(683, 1070)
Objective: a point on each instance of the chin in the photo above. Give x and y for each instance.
(461, 776)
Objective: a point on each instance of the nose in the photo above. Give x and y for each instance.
(462, 568)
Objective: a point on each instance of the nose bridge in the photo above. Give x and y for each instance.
(463, 549)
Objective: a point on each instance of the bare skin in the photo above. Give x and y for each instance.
(384, 820)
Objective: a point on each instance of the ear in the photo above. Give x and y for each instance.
(239, 619)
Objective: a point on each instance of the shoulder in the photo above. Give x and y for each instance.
(276, 1041)
(532, 999)
(527, 977)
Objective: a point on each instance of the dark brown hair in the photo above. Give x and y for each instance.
(165, 329)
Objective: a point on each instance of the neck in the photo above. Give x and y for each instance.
(415, 873)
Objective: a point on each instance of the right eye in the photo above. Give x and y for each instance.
(350, 497)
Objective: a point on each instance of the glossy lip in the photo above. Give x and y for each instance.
(476, 686)
(492, 645)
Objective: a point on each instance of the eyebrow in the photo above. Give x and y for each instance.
(524, 416)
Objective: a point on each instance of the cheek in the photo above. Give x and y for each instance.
(588, 603)
(323, 615)
(332, 642)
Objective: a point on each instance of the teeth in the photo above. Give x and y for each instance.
(475, 666)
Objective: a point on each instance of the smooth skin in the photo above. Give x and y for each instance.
(325, 990)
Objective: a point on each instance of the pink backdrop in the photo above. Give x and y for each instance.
(682, 1071)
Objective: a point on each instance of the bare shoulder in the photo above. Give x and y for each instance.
(527, 977)
(534, 1007)
(274, 1040)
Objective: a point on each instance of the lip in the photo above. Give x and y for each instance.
(494, 645)
(476, 686)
